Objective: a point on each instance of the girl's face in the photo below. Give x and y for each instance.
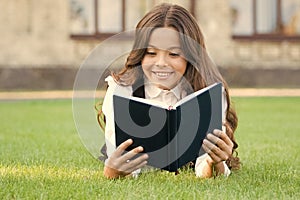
(164, 63)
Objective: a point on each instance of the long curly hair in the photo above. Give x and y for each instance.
(200, 71)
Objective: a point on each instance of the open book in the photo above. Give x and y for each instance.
(171, 136)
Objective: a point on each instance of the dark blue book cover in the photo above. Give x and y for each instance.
(171, 136)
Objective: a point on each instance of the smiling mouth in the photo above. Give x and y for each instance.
(162, 74)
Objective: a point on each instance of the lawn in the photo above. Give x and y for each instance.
(42, 157)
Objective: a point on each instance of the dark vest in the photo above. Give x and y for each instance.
(138, 89)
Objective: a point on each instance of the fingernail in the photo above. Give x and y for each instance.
(216, 132)
(130, 140)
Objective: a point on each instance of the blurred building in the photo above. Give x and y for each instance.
(43, 42)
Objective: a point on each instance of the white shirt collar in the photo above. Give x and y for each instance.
(153, 91)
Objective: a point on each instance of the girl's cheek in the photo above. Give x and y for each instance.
(147, 62)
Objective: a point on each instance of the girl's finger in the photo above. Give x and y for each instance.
(122, 147)
(215, 152)
(132, 153)
(137, 163)
(224, 137)
(213, 156)
(216, 140)
(208, 146)
(224, 142)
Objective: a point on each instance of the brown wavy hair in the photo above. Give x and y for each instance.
(200, 71)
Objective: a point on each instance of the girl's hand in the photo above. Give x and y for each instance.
(218, 146)
(119, 164)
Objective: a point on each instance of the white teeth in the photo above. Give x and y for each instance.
(162, 74)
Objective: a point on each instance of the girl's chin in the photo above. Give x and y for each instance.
(163, 81)
(164, 85)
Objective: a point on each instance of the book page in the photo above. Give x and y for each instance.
(147, 101)
(194, 94)
(163, 104)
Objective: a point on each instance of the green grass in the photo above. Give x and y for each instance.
(41, 157)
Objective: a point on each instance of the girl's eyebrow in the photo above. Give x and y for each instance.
(170, 48)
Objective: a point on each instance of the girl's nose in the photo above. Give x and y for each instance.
(161, 60)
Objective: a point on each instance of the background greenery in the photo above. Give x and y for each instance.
(41, 157)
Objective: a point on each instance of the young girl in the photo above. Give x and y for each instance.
(167, 56)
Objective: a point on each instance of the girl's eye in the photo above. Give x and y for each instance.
(151, 53)
(174, 54)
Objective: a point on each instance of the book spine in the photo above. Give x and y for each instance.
(172, 141)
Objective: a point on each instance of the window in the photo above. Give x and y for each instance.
(103, 18)
(82, 20)
(266, 19)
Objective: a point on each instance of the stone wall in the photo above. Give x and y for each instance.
(215, 20)
(35, 34)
